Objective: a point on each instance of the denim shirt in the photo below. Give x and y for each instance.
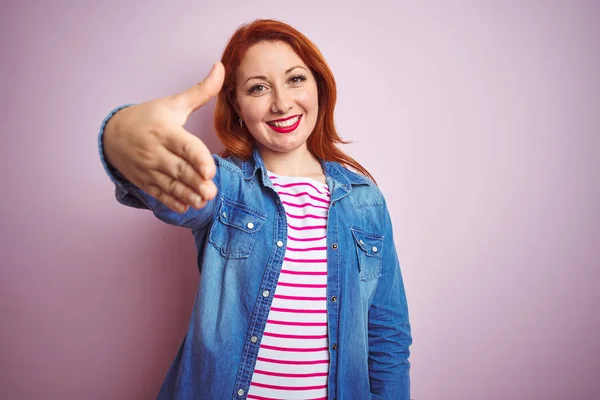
(368, 324)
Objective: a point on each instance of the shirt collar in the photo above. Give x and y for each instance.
(332, 169)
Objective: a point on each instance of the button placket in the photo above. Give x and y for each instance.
(243, 379)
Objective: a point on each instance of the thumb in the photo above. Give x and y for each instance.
(195, 97)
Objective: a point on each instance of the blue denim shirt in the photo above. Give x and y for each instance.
(368, 323)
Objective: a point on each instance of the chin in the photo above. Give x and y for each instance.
(285, 147)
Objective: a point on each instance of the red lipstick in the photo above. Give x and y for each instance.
(285, 129)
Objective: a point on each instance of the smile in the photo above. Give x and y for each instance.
(285, 125)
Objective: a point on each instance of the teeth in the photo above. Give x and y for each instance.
(285, 124)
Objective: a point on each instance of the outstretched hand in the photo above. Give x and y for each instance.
(148, 145)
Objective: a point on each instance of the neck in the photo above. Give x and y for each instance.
(299, 162)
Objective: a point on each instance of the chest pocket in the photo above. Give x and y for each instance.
(236, 228)
(368, 251)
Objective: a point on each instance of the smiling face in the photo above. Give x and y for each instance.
(277, 98)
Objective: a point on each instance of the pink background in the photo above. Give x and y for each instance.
(481, 122)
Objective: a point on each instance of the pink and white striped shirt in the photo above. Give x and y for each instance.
(293, 358)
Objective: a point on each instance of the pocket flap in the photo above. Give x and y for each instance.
(239, 216)
(370, 243)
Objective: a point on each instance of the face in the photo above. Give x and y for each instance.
(277, 97)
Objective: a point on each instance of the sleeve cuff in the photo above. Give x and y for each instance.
(114, 175)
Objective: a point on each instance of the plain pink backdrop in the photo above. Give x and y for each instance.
(480, 120)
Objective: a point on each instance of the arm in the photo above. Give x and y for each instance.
(123, 196)
(130, 195)
(389, 327)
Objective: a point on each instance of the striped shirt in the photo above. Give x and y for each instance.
(293, 358)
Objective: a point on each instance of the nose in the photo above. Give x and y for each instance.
(282, 101)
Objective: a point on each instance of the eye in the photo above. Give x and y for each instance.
(297, 79)
(258, 88)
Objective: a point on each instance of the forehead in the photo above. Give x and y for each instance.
(268, 58)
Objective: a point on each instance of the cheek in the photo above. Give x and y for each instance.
(254, 109)
(309, 100)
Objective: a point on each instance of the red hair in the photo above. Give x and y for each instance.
(323, 141)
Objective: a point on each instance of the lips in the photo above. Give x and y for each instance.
(285, 125)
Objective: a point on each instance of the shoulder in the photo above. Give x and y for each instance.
(362, 184)
(231, 164)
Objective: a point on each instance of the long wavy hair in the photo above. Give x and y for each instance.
(237, 140)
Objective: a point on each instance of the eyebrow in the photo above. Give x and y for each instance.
(265, 78)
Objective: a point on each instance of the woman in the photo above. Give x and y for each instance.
(301, 295)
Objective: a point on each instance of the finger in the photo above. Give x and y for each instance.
(166, 199)
(208, 190)
(192, 150)
(179, 169)
(177, 190)
(199, 94)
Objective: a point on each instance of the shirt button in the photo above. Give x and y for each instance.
(361, 242)
(254, 339)
(334, 246)
(334, 346)
(374, 249)
(279, 243)
(250, 225)
(241, 392)
(224, 214)
(334, 298)
(266, 293)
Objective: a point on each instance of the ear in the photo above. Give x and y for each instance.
(233, 101)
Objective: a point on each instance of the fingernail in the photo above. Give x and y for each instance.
(204, 171)
(212, 69)
(196, 200)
